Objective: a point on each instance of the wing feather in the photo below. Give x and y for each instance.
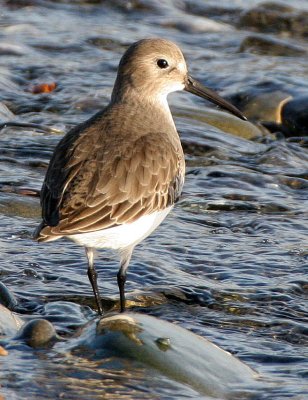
(101, 190)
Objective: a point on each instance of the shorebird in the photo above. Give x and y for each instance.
(114, 178)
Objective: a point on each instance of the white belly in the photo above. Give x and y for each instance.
(122, 236)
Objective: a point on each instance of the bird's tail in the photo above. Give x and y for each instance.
(42, 233)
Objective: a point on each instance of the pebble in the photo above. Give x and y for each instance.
(271, 17)
(38, 333)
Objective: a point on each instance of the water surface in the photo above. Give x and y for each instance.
(229, 263)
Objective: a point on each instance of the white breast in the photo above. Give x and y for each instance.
(122, 236)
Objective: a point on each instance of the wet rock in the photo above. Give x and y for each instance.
(262, 106)
(222, 12)
(174, 351)
(294, 116)
(38, 333)
(9, 322)
(15, 4)
(106, 43)
(7, 299)
(291, 119)
(262, 45)
(223, 121)
(22, 206)
(271, 17)
(3, 352)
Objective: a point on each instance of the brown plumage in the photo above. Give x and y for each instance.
(114, 178)
(97, 181)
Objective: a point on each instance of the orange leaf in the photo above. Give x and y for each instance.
(43, 88)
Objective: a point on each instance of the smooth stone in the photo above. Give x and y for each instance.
(7, 298)
(106, 43)
(264, 106)
(271, 17)
(292, 119)
(174, 351)
(38, 333)
(3, 353)
(20, 205)
(294, 116)
(225, 122)
(10, 323)
(262, 45)
(227, 12)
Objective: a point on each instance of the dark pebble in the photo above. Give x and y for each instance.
(7, 299)
(272, 17)
(38, 333)
(268, 46)
(294, 116)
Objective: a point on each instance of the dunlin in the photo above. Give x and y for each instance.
(114, 178)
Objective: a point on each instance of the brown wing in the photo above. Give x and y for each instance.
(116, 184)
(58, 173)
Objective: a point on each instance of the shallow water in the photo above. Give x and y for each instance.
(229, 263)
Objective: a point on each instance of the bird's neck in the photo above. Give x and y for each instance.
(153, 110)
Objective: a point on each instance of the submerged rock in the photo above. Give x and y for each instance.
(270, 47)
(10, 323)
(3, 352)
(271, 17)
(294, 116)
(22, 206)
(289, 115)
(262, 105)
(225, 122)
(38, 333)
(7, 298)
(174, 351)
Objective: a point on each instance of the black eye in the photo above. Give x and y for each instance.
(162, 63)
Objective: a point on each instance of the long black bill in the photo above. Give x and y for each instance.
(193, 86)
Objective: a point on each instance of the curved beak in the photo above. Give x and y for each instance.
(193, 86)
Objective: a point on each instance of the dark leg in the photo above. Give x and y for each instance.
(121, 283)
(93, 279)
(125, 258)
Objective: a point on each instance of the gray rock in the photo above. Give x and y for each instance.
(294, 116)
(271, 47)
(271, 17)
(10, 323)
(7, 299)
(262, 105)
(223, 121)
(38, 333)
(176, 352)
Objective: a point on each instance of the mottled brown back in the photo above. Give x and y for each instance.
(102, 174)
